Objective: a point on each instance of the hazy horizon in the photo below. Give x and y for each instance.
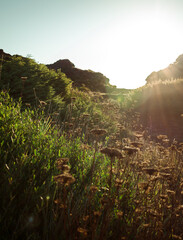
(124, 40)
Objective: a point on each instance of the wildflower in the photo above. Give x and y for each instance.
(119, 214)
(82, 231)
(64, 178)
(27, 104)
(153, 213)
(42, 103)
(138, 135)
(171, 192)
(176, 237)
(137, 144)
(130, 150)
(61, 164)
(145, 225)
(161, 137)
(143, 185)
(180, 207)
(104, 188)
(86, 115)
(24, 78)
(98, 132)
(65, 168)
(93, 189)
(57, 201)
(164, 197)
(173, 147)
(85, 147)
(85, 218)
(63, 160)
(97, 214)
(165, 175)
(149, 171)
(118, 182)
(112, 152)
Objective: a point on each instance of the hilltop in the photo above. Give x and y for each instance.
(86, 80)
(95, 81)
(173, 71)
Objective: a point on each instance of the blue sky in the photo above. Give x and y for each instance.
(123, 39)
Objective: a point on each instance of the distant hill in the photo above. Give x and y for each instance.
(173, 71)
(95, 81)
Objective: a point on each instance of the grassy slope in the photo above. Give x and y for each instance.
(160, 106)
(90, 195)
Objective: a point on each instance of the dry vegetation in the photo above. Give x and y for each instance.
(96, 174)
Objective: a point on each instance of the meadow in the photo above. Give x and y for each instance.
(93, 172)
(78, 163)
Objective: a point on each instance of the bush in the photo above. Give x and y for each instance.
(25, 78)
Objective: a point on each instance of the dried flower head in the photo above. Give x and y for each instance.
(86, 115)
(42, 103)
(85, 218)
(137, 144)
(64, 178)
(24, 78)
(97, 214)
(130, 150)
(62, 162)
(118, 182)
(161, 137)
(93, 189)
(119, 214)
(170, 192)
(112, 152)
(149, 171)
(82, 231)
(143, 185)
(98, 132)
(65, 168)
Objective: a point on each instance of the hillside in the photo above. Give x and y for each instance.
(173, 71)
(33, 82)
(94, 81)
(87, 168)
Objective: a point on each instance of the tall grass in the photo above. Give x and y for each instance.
(56, 184)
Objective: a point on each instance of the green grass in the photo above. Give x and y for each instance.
(89, 195)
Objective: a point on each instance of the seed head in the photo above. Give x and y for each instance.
(98, 132)
(112, 152)
(64, 178)
(149, 171)
(130, 150)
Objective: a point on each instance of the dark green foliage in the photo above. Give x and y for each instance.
(28, 152)
(23, 77)
(94, 81)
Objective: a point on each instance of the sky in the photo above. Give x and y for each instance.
(125, 40)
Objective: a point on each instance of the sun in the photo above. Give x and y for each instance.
(136, 46)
